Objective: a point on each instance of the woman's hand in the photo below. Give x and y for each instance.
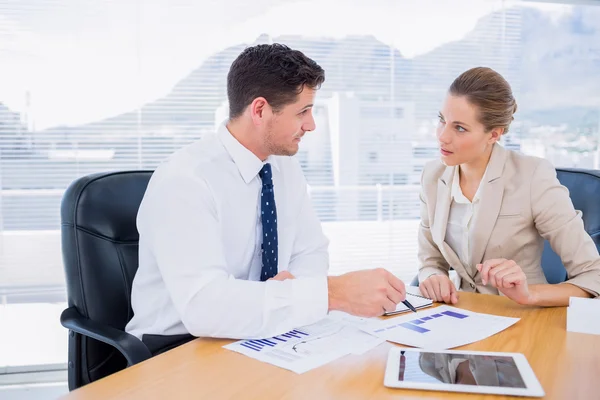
(439, 288)
(507, 277)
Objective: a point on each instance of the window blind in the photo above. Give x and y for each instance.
(89, 86)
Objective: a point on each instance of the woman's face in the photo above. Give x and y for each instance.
(462, 138)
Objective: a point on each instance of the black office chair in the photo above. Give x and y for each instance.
(584, 189)
(100, 255)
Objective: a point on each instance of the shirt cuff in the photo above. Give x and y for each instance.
(310, 300)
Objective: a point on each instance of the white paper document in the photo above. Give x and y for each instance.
(312, 346)
(364, 324)
(583, 315)
(442, 327)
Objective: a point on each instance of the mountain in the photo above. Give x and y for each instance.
(560, 66)
(551, 63)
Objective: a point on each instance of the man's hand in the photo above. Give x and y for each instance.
(439, 288)
(507, 277)
(367, 293)
(282, 276)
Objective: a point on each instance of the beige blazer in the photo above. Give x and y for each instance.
(522, 203)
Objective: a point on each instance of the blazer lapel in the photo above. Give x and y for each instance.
(442, 206)
(492, 190)
(440, 221)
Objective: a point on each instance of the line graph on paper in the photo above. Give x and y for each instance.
(303, 349)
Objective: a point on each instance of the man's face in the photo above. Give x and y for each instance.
(284, 130)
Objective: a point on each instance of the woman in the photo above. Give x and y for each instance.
(485, 210)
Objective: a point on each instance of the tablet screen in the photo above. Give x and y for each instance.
(457, 368)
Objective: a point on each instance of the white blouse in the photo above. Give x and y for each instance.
(463, 212)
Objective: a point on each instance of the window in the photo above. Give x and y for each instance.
(89, 86)
(399, 112)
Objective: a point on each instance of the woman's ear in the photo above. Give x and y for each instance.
(495, 136)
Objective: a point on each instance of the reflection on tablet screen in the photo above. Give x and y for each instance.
(465, 369)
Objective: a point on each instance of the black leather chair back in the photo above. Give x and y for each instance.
(100, 256)
(584, 189)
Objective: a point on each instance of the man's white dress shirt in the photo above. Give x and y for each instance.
(200, 247)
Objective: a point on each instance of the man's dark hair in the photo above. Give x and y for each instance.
(273, 71)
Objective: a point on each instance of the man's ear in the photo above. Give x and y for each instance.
(257, 109)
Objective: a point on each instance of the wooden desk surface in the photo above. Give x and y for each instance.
(567, 365)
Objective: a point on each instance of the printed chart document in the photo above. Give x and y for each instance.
(312, 346)
(442, 327)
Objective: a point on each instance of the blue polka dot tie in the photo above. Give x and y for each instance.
(268, 216)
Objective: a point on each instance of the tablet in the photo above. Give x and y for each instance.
(461, 371)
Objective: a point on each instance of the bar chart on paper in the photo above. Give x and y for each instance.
(442, 328)
(260, 344)
(417, 325)
(303, 349)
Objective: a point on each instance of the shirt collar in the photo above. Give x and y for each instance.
(247, 163)
(457, 193)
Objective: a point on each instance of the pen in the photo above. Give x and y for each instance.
(410, 306)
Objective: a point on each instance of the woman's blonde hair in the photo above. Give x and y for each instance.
(487, 90)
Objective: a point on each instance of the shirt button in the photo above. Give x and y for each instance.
(472, 286)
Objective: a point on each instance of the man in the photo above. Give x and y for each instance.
(230, 245)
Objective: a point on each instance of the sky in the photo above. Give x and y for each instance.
(85, 60)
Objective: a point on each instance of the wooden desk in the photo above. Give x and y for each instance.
(567, 365)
